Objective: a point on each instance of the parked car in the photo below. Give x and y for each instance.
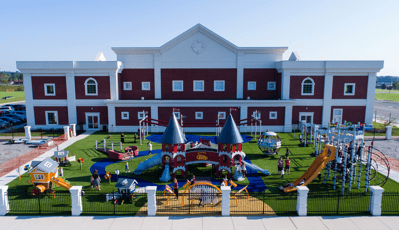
(21, 114)
(4, 124)
(15, 116)
(10, 120)
(6, 108)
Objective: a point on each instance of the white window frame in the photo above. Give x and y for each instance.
(306, 114)
(125, 113)
(177, 115)
(129, 84)
(258, 116)
(140, 115)
(200, 117)
(312, 87)
(45, 89)
(97, 88)
(47, 117)
(354, 89)
(38, 176)
(271, 88)
(271, 113)
(334, 116)
(215, 85)
(251, 82)
(173, 86)
(224, 115)
(194, 86)
(144, 88)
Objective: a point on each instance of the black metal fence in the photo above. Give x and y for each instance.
(390, 203)
(333, 203)
(100, 203)
(208, 204)
(23, 203)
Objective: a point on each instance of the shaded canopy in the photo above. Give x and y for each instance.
(230, 133)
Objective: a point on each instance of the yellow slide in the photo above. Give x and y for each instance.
(328, 154)
(61, 182)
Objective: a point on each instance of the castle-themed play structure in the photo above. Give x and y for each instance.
(177, 153)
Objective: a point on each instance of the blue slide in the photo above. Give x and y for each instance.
(256, 168)
(156, 160)
(165, 177)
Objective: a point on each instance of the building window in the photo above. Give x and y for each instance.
(199, 115)
(251, 85)
(125, 115)
(306, 117)
(257, 115)
(141, 115)
(177, 115)
(219, 85)
(49, 89)
(307, 86)
(177, 85)
(127, 85)
(222, 115)
(271, 85)
(38, 176)
(51, 118)
(91, 87)
(337, 116)
(146, 86)
(273, 115)
(349, 89)
(198, 85)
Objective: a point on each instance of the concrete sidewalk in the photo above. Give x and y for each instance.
(197, 223)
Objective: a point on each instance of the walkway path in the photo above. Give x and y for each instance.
(208, 223)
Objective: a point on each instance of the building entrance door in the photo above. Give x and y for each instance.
(92, 121)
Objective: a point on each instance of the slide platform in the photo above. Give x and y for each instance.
(148, 164)
(328, 154)
(256, 168)
(60, 182)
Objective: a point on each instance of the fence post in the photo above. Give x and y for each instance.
(28, 133)
(76, 200)
(73, 127)
(389, 132)
(120, 146)
(96, 144)
(66, 133)
(301, 207)
(112, 146)
(226, 195)
(151, 200)
(4, 207)
(375, 203)
(104, 143)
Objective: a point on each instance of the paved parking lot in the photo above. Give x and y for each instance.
(383, 109)
(9, 151)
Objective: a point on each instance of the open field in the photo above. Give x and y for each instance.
(386, 91)
(17, 96)
(380, 130)
(387, 96)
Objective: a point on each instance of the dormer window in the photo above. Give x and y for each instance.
(307, 86)
(91, 87)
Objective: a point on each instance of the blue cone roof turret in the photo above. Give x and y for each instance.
(230, 133)
(173, 134)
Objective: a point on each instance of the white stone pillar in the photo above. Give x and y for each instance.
(327, 101)
(4, 207)
(157, 75)
(111, 119)
(114, 85)
(28, 135)
(375, 203)
(226, 197)
(71, 98)
(151, 200)
(288, 118)
(30, 114)
(369, 108)
(301, 207)
(239, 75)
(243, 115)
(76, 200)
(285, 85)
(66, 132)
(154, 115)
(389, 132)
(73, 127)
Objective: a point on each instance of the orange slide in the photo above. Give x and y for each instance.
(60, 182)
(328, 154)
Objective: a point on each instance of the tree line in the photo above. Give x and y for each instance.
(8, 77)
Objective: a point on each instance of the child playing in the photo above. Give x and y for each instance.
(91, 181)
(287, 165)
(126, 167)
(150, 147)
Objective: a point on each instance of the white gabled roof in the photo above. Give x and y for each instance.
(294, 57)
(100, 57)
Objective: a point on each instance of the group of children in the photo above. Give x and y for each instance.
(287, 164)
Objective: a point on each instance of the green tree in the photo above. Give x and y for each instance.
(383, 86)
(396, 84)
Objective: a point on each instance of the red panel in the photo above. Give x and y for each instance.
(360, 89)
(133, 115)
(265, 115)
(81, 110)
(209, 114)
(354, 114)
(136, 76)
(295, 87)
(262, 77)
(38, 87)
(40, 114)
(202, 156)
(189, 75)
(317, 110)
(103, 87)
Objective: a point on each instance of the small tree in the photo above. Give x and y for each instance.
(383, 86)
(396, 85)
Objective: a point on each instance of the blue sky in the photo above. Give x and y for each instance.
(316, 30)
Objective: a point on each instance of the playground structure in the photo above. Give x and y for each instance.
(269, 143)
(62, 158)
(308, 133)
(110, 148)
(126, 188)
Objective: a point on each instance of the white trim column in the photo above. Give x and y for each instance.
(239, 74)
(375, 202)
(151, 200)
(157, 75)
(285, 85)
(71, 98)
(326, 109)
(112, 126)
(226, 196)
(301, 207)
(154, 115)
(369, 109)
(76, 200)
(30, 114)
(243, 115)
(114, 85)
(4, 206)
(288, 118)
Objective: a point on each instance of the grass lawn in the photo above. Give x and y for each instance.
(301, 159)
(380, 130)
(17, 96)
(387, 96)
(386, 91)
